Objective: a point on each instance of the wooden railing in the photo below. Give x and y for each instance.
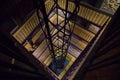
(93, 16)
(24, 31)
(48, 5)
(86, 35)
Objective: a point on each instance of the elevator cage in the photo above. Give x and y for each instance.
(58, 41)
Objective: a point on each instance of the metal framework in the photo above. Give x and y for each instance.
(58, 35)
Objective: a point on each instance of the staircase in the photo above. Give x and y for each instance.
(90, 23)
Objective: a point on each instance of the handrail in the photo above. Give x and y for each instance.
(88, 13)
(94, 8)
